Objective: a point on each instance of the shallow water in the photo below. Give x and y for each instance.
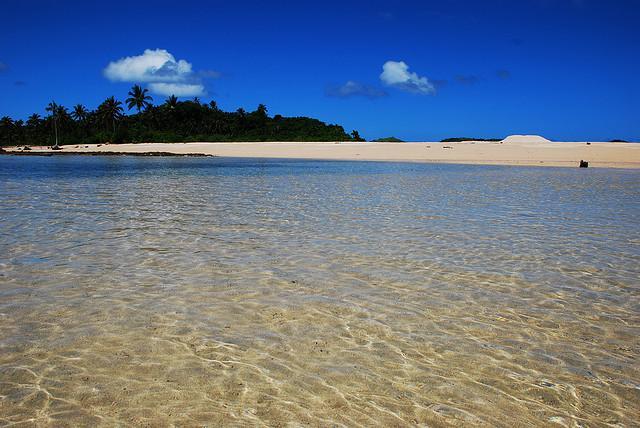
(207, 292)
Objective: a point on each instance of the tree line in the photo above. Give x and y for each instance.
(172, 121)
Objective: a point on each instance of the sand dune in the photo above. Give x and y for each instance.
(516, 150)
(525, 139)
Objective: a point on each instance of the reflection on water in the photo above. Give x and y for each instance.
(232, 292)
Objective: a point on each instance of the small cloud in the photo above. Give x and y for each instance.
(152, 66)
(467, 80)
(439, 83)
(3, 66)
(209, 74)
(503, 74)
(386, 16)
(517, 41)
(20, 83)
(397, 74)
(355, 89)
(177, 89)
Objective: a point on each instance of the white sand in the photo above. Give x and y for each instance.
(515, 151)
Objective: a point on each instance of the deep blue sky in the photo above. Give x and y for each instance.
(565, 69)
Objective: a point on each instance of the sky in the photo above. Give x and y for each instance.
(418, 70)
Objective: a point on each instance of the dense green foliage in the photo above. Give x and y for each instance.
(173, 121)
(388, 140)
(460, 139)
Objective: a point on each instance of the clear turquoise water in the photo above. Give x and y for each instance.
(215, 291)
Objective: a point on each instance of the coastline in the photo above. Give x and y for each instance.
(563, 154)
(47, 153)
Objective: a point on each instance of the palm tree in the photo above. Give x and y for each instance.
(63, 116)
(33, 120)
(138, 98)
(79, 113)
(262, 110)
(54, 109)
(111, 110)
(172, 102)
(6, 124)
(34, 123)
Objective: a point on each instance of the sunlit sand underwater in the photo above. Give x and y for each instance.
(209, 292)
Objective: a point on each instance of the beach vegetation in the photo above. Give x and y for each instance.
(110, 111)
(355, 136)
(460, 139)
(388, 140)
(79, 113)
(7, 130)
(138, 98)
(59, 118)
(172, 120)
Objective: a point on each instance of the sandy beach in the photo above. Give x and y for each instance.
(568, 154)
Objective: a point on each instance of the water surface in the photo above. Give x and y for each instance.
(206, 292)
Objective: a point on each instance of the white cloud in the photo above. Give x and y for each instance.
(354, 89)
(152, 66)
(397, 74)
(177, 89)
(164, 75)
(210, 74)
